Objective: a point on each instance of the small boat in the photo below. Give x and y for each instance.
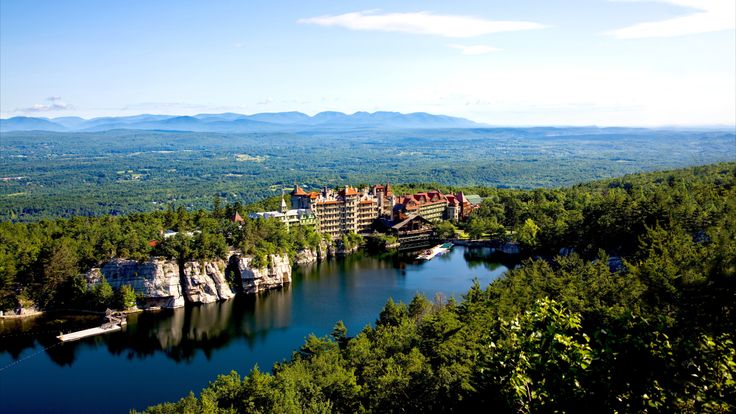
(438, 250)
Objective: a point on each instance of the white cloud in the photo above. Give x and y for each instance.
(426, 23)
(475, 49)
(584, 94)
(55, 104)
(708, 16)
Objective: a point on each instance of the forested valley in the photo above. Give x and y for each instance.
(570, 333)
(625, 303)
(47, 174)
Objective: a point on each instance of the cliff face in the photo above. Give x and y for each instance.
(259, 279)
(204, 282)
(156, 279)
(323, 252)
(306, 256)
(162, 284)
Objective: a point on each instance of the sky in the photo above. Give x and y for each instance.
(524, 62)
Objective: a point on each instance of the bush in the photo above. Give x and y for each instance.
(125, 297)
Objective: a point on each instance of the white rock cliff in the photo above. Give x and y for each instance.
(204, 282)
(255, 280)
(156, 279)
(161, 283)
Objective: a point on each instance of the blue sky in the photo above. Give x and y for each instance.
(543, 62)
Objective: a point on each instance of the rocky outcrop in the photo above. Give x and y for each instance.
(166, 284)
(323, 252)
(157, 280)
(306, 256)
(163, 284)
(342, 251)
(254, 280)
(204, 282)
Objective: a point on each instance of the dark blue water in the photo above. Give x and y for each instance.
(162, 356)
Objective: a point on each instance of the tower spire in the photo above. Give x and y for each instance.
(283, 202)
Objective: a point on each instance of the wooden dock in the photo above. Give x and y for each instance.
(73, 336)
(115, 322)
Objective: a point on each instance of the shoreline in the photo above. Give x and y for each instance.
(72, 311)
(340, 255)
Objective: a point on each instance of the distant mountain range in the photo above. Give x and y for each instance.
(231, 122)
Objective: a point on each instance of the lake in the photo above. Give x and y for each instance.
(161, 356)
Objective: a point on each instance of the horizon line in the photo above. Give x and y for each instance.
(480, 124)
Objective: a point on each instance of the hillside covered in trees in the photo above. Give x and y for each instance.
(45, 174)
(565, 333)
(626, 303)
(42, 264)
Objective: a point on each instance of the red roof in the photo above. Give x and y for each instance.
(298, 191)
(411, 201)
(348, 191)
(236, 218)
(153, 243)
(386, 189)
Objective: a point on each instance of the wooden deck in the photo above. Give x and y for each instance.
(73, 336)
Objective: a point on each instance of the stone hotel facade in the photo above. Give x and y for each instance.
(336, 212)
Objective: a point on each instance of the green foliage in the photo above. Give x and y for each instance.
(561, 334)
(527, 234)
(445, 230)
(538, 361)
(351, 241)
(102, 294)
(479, 226)
(123, 172)
(339, 332)
(125, 297)
(44, 259)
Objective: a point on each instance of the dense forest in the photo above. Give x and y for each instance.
(42, 264)
(625, 303)
(68, 174)
(560, 333)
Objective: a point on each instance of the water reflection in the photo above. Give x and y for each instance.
(487, 258)
(178, 333)
(347, 289)
(161, 356)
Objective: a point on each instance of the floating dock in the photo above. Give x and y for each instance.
(440, 249)
(73, 336)
(116, 321)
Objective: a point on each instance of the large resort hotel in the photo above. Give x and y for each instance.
(336, 212)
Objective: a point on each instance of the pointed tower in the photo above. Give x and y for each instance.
(461, 200)
(284, 208)
(390, 200)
